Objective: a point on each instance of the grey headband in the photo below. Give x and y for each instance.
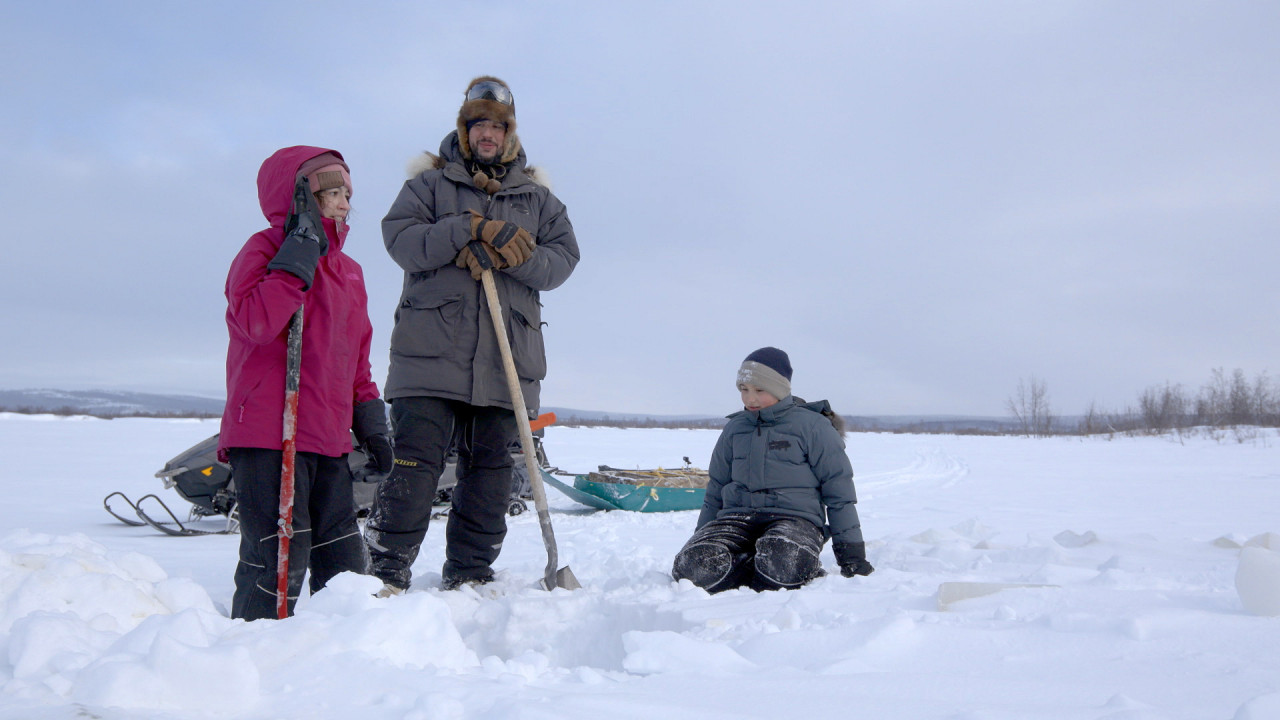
(763, 377)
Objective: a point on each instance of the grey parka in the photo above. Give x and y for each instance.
(786, 459)
(443, 343)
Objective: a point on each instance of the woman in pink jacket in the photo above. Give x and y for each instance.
(269, 279)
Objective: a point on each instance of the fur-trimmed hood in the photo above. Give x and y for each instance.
(451, 152)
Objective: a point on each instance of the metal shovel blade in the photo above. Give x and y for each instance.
(564, 579)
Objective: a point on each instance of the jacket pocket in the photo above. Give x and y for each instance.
(527, 345)
(241, 399)
(426, 325)
(807, 501)
(731, 496)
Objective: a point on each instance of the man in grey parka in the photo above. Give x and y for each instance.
(446, 376)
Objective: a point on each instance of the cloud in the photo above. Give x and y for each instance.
(921, 203)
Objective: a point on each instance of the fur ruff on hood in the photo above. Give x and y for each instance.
(430, 161)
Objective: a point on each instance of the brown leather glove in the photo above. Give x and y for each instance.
(468, 261)
(512, 242)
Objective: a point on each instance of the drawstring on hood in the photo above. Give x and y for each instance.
(486, 177)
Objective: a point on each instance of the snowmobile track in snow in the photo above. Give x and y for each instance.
(932, 469)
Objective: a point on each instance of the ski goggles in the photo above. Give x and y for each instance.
(490, 90)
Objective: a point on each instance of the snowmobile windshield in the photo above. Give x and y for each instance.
(489, 90)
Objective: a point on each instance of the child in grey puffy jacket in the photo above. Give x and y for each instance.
(779, 482)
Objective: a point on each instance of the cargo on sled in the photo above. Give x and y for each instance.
(657, 490)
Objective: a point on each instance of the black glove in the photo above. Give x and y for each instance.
(381, 456)
(852, 558)
(301, 250)
(369, 418)
(369, 423)
(857, 567)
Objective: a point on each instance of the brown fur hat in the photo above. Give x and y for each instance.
(489, 108)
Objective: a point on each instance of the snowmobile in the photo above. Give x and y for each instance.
(201, 479)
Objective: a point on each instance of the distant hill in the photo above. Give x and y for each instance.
(946, 424)
(881, 423)
(566, 415)
(107, 403)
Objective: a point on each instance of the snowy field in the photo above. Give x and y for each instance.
(1125, 554)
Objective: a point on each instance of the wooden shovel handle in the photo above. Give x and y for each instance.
(526, 434)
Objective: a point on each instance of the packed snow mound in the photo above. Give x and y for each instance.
(123, 622)
(950, 593)
(73, 575)
(72, 610)
(1263, 707)
(110, 629)
(1268, 540)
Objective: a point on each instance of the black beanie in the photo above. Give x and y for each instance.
(768, 369)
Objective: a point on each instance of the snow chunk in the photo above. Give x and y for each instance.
(971, 532)
(415, 630)
(173, 675)
(110, 591)
(670, 652)
(953, 592)
(1258, 581)
(1269, 540)
(1263, 707)
(1071, 539)
(1229, 542)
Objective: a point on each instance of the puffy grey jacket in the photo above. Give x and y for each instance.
(785, 459)
(443, 343)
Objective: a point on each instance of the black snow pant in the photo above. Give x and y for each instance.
(424, 429)
(763, 551)
(326, 539)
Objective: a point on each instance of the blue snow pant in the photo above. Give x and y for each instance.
(424, 429)
(763, 551)
(326, 539)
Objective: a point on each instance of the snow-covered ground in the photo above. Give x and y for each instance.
(1125, 553)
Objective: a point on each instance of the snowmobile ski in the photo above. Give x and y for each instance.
(106, 503)
(174, 526)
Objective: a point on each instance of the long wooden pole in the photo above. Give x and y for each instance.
(293, 370)
(552, 578)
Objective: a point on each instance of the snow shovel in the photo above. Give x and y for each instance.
(553, 578)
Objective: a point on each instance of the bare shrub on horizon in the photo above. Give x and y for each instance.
(1030, 407)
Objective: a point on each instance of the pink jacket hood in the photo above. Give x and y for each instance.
(276, 178)
(335, 342)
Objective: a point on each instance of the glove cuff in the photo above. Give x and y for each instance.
(369, 418)
(849, 553)
(504, 234)
(482, 257)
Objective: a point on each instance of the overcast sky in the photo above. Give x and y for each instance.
(922, 202)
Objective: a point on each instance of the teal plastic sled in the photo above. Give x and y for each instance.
(635, 490)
